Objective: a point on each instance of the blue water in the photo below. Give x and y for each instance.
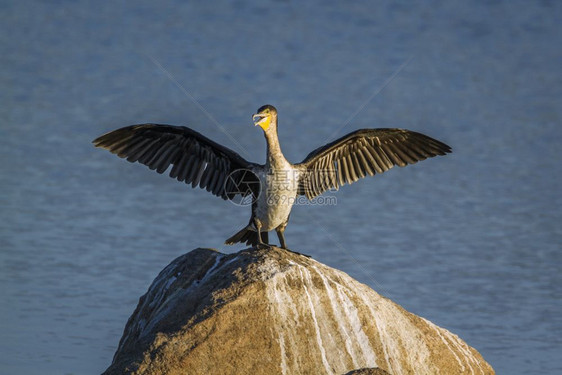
(470, 241)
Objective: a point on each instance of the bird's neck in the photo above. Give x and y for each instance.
(275, 158)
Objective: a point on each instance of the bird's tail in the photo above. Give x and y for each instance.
(247, 235)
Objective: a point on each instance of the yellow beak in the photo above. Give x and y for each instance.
(262, 120)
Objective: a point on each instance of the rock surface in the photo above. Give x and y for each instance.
(275, 312)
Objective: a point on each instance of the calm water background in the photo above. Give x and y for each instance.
(470, 241)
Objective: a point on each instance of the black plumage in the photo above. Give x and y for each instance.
(365, 152)
(194, 158)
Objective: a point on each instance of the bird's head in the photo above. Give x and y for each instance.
(266, 117)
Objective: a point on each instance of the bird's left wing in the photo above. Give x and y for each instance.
(195, 159)
(363, 152)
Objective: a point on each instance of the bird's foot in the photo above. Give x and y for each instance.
(262, 246)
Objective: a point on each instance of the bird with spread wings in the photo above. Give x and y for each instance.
(272, 187)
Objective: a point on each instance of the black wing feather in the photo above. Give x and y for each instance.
(195, 159)
(361, 153)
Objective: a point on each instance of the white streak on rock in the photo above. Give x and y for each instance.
(348, 320)
(387, 345)
(463, 348)
(446, 343)
(278, 305)
(340, 319)
(448, 337)
(169, 282)
(399, 337)
(305, 282)
(286, 316)
(212, 269)
(163, 306)
(351, 311)
(157, 288)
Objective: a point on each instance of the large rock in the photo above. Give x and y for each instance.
(275, 312)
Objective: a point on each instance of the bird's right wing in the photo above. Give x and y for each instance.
(195, 159)
(363, 152)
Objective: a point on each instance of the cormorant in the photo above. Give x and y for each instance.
(272, 187)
